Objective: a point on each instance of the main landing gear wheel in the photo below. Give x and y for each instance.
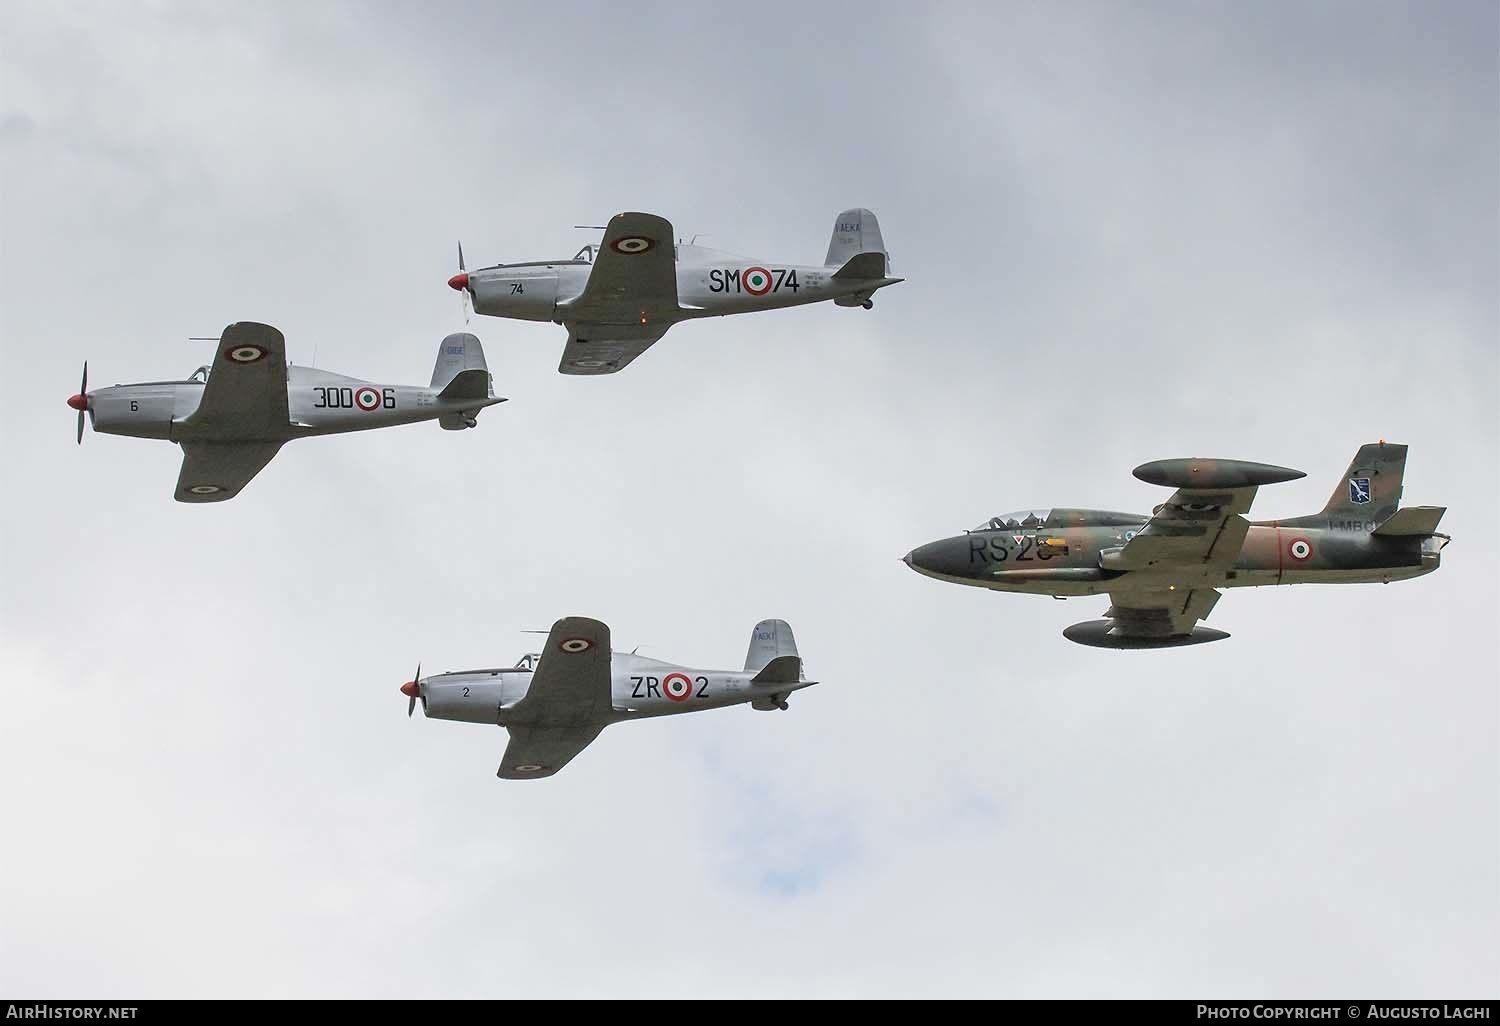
(868, 304)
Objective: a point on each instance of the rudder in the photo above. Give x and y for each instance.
(769, 640)
(855, 231)
(458, 353)
(1371, 488)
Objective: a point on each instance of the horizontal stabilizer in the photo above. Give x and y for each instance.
(785, 669)
(467, 384)
(862, 267)
(1413, 520)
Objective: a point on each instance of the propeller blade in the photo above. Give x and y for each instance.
(411, 689)
(460, 281)
(83, 394)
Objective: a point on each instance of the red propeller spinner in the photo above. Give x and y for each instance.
(460, 281)
(80, 401)
(412, 689)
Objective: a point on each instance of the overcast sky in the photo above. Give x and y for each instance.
(1131, 232)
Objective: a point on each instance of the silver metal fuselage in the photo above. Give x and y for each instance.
(639, 688)
(710, 283)
(319, 403)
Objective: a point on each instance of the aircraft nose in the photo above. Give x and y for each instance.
(947, 557)
(79, 402)
(459, 281)
(410, 689)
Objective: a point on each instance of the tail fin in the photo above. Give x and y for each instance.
(855, 232)
(770, 640)
(459, 357)
(1371, 488)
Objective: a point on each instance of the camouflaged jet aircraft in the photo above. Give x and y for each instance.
(233, 417)
(1161, 571)
(618, 298)
(555, 702)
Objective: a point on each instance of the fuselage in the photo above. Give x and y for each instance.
(710, 283)
(639, 688)
(1066, 553)
(318, 402)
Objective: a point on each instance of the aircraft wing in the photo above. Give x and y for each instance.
(1203, 523)
(606, 348)
(215, 471)
(1195, 527)
(571, 684)
(630, 299)
(542, 751)
(1141, 613)
(245, 396)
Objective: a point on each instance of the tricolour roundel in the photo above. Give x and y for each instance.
(205, 489)
(246, 353)
(1300, 550)
(757, 280)
(630, 245)
(366, 399)
(575, 645)
(677, 687)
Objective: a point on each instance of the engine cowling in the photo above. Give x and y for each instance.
(523, 292)
(468, 699)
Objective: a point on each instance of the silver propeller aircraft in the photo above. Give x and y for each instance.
(232, 417)
(1161, 571)
(618, 298)
(557, 701)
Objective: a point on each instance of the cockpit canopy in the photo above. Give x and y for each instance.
(1058, 518)
(1016, 521)
(200, 375)
(528, 661)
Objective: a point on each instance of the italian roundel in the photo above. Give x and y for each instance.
(246, 353)
(1300, 549)
(630, 245)
(366, 399)
(757, 280)
(676, 686)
